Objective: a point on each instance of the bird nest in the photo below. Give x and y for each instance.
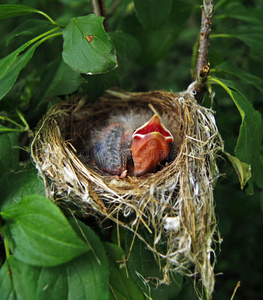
(175, 204)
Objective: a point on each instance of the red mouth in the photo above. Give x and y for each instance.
(150, 146)
(154, 125)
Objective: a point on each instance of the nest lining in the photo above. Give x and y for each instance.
(175, 204)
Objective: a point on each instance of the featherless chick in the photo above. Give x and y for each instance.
(133, 143)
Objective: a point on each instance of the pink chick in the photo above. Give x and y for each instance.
(125, 147)
(150, 146)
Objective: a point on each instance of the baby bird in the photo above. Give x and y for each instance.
(112, 149)
(131, 144)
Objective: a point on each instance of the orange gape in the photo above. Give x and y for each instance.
(150, 146)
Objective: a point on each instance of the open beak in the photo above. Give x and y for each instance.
(150, 146)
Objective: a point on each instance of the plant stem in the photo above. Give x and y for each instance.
(3, 130)
(223, 35)
(11, 121)
(37, 38)
(7, 252)
(48, 17)
(23, 120)
(49, 36)
(202, 66)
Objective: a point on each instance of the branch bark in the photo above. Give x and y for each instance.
(202, 65)
(98, 8)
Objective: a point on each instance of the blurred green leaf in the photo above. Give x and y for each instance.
(242, 169)
(30, 27)
(9, 154)
(38, 233)
(126, 45)
(238, 11)
(11, 66)
(261, 200)
(97, 84)
(250, 133)
(151, 13)
(65, 81)
(230, 68)
(161, 40)
(156, 43)
(259, 179)
(10, 10)
(18, 183)
(6, 285)
(188, 291)
(122, 286)
(251, 36)
(87, 48)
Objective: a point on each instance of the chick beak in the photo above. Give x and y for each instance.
(150, 146)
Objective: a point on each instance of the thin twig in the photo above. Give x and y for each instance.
(235, 290)
(98, 8)
(202, 65)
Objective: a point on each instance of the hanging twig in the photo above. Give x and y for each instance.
(202, 65)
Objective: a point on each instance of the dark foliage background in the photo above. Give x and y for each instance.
(235, 54)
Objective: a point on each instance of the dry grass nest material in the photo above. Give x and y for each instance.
(175, 204)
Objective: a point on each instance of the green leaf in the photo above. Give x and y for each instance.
(85, 277)
(143, 263)
(9, 154)
(156, 43)
(250, 133)
(40, 283)
(18, 183)
(240, 12)
(82, 278)
(11, 66)
(161, 40)
(6, 286)
(246, 77)
(97, 84)
(251, 36)
(242, 169)
(188, 291)
(151, 13)
(259, 179)
(127, 46)
(10, 10)
(96, 273)
(30, 27)
(261, 201)
(65, 81)
(122, 286)
(87, 48)
(38, 233)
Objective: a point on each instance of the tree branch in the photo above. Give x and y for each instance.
(98, 8)
(202, 65)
